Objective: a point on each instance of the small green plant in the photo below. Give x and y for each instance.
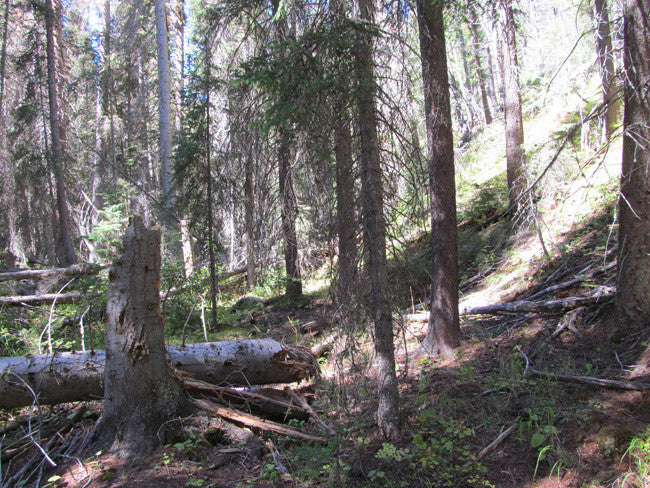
(191, 443)
(195, 482)
(638, 453)
(442, 446)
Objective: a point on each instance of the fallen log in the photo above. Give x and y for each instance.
(17, 301)
(78, 376)
(525, 306)
(76, 270)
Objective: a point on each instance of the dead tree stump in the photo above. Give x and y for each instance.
(140, 394)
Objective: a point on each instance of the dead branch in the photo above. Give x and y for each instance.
(576, 281)
(496, 442)
(260, 402)
(255, 422)
(301, 401)
(590, 380)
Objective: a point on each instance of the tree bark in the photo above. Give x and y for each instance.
(633, 280)
(345, 202)
(515, 156)
(208, 182)
(79, 376)
(476, 51)
(288, 203)
(52, 25)
(443, 334)
(375, 231)
(606, 61)
(249, 213)
(140, 393)
(164, 116)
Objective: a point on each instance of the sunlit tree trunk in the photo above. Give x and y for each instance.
(7, 166)
(443, 334)
(606, 62)
(164, 115)
(375, 231)
(515, 155)
(53, 25)
(633, 286)
(140, 394)
(478, 64)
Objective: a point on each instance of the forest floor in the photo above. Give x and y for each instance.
(559, 433)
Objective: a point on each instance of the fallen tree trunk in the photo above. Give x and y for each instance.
(560, 305)
(71, 377)
(17, 301)
(76, 270)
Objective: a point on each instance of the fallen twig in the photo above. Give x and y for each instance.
(495, 443)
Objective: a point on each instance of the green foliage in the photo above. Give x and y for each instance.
(107, 233)
(638, 453)
(297, 74)
(484, 200)
(442, 445)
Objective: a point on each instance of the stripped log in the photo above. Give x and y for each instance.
(76, 270)
(17, 301)
(71, 377)
(561, 305)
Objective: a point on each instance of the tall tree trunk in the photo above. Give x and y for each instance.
(289, 214)
(476, 52)
(140, 394)
(345, 202)
(633, 287)
(515, 156)
(249, 212)
(443, 334)
(345, 207)
(52, 26)
(164, 116)
(9, 183)
(375, 231)
(606, 62)
(288, 203)
(208, 180)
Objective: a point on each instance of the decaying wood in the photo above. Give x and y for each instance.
(496, 442)
(76, 270)
(590, 380)
(303, 403)
(17, 301)
(255, 422)
(325, 346)
(525, 306)
(271, 402)
(71, 377)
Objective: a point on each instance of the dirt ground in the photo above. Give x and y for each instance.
(563, 434)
